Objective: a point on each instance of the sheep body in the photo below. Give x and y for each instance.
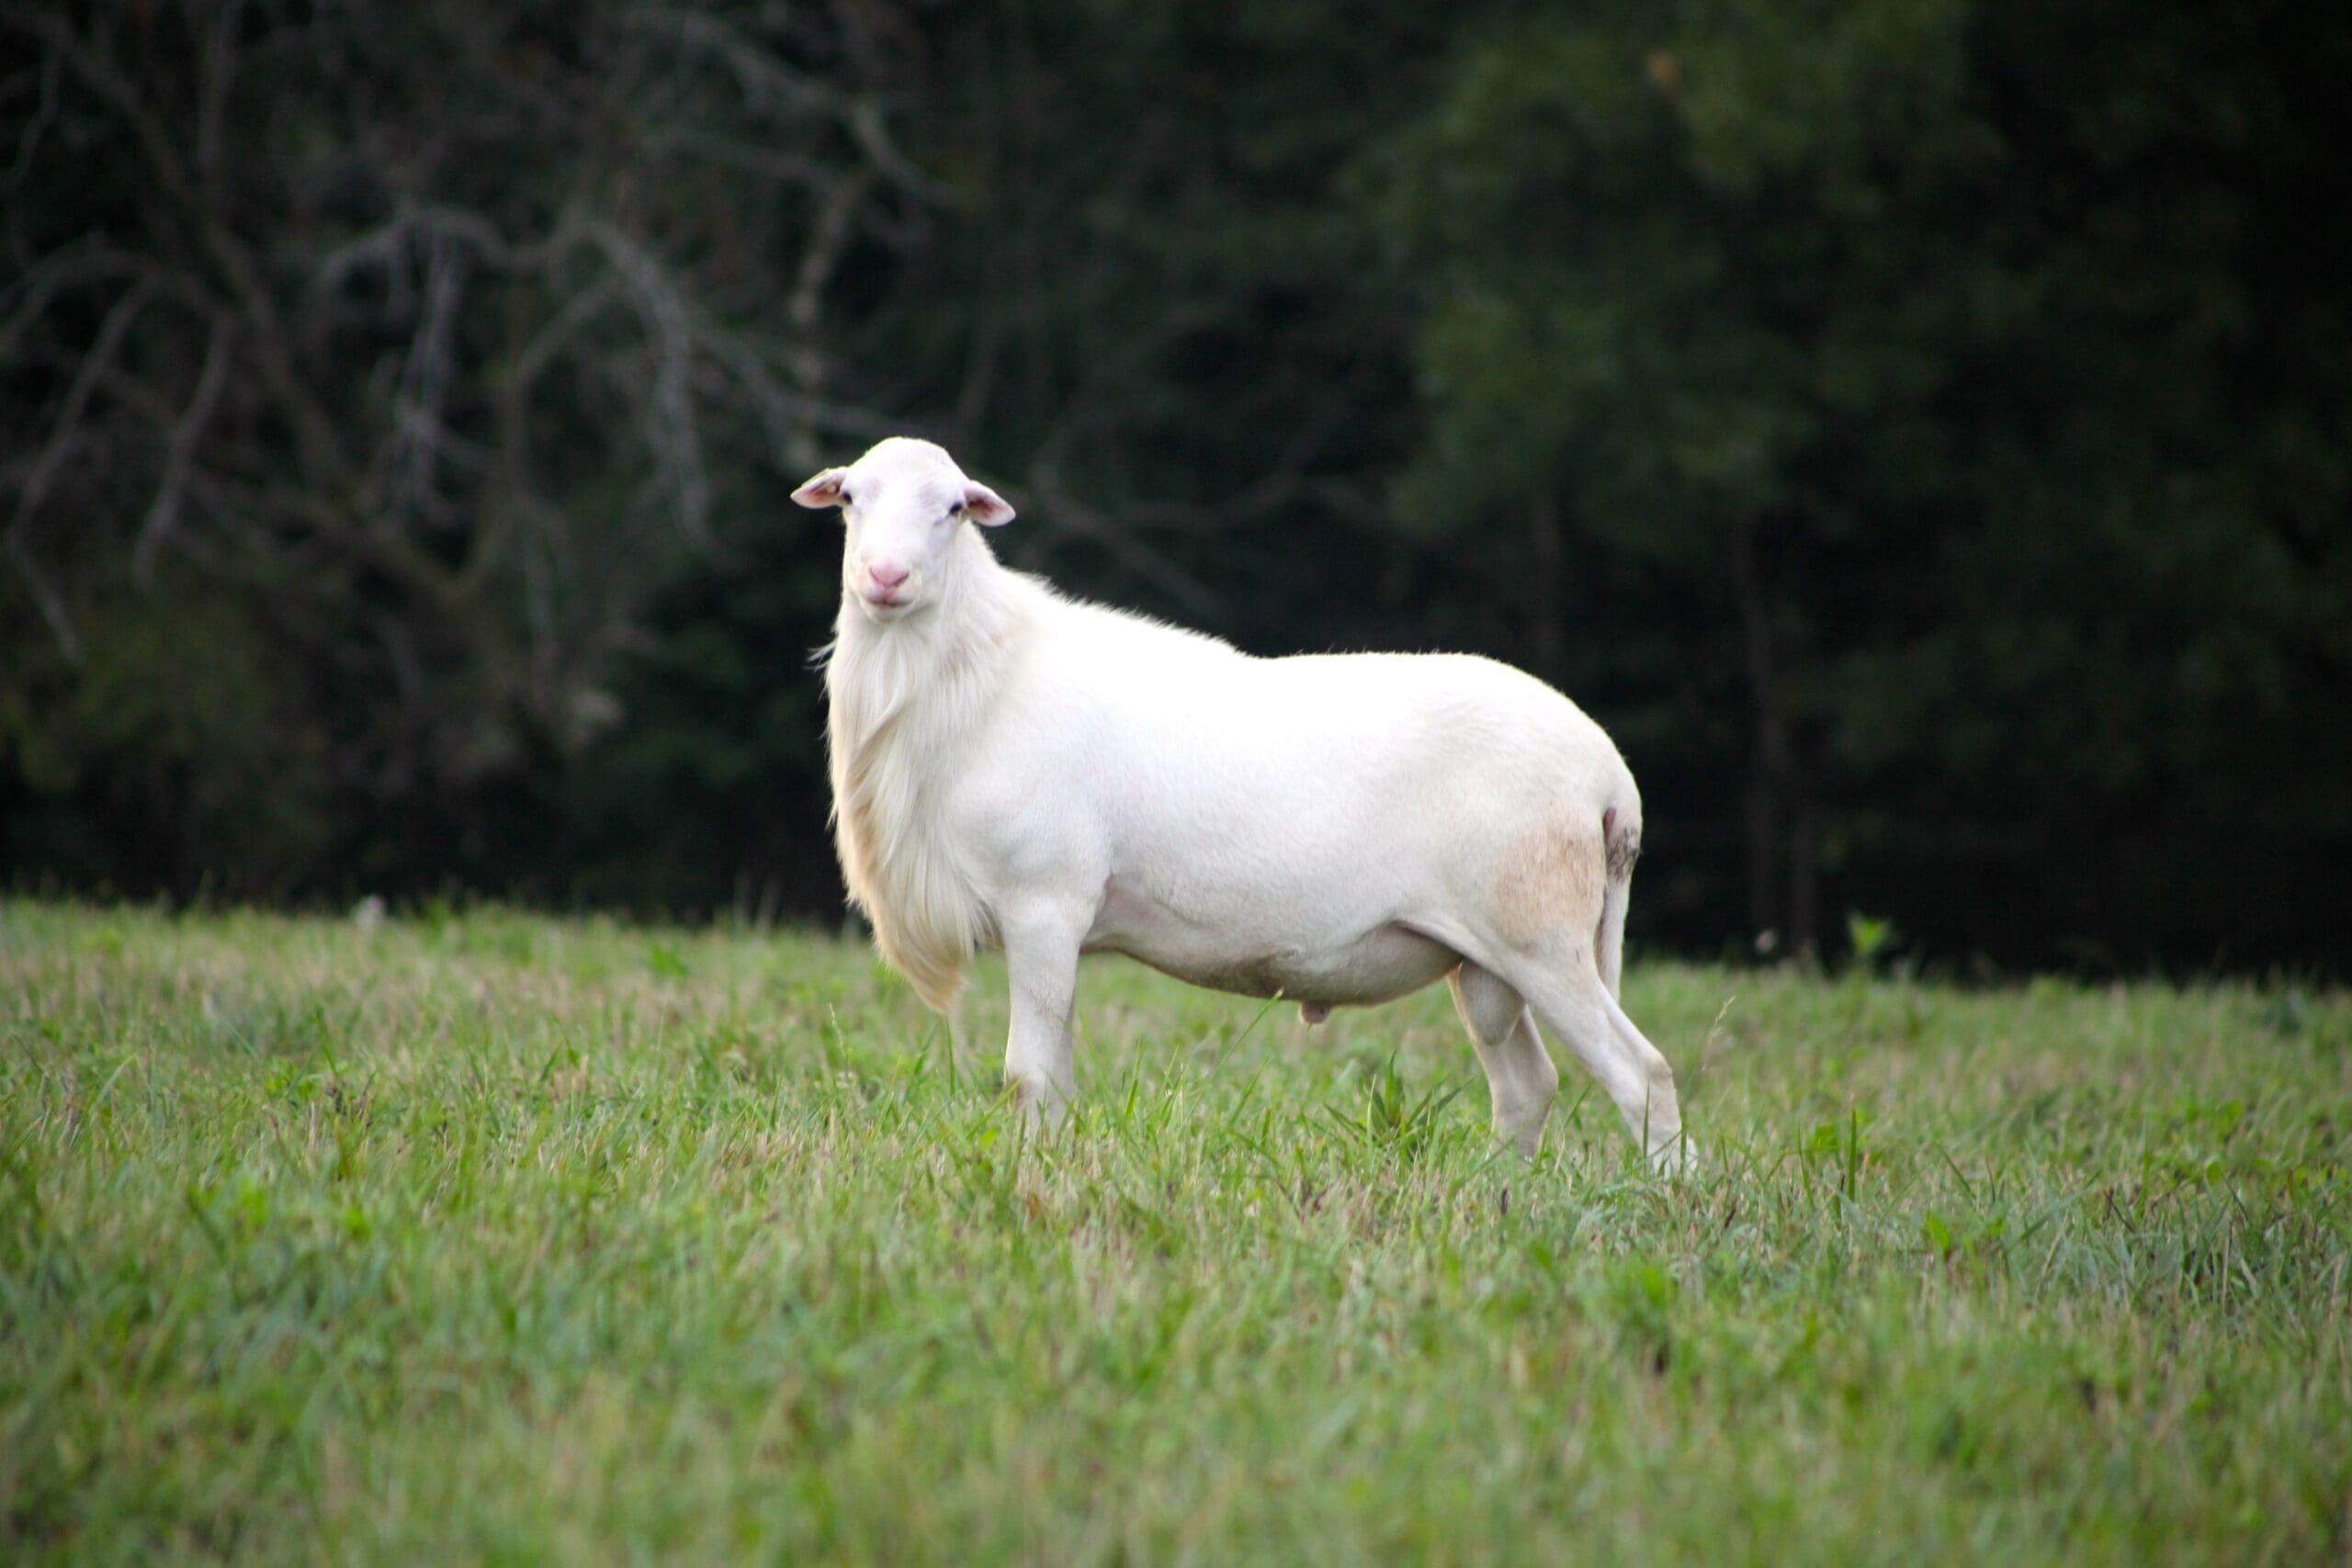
(1012, 768)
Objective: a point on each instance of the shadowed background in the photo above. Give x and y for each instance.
(1921, 430)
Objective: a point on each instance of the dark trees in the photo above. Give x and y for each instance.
(1918, 427)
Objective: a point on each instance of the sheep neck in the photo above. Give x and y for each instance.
(903, 697)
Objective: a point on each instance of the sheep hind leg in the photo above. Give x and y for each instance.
(1564, 989)
(1520, 1079)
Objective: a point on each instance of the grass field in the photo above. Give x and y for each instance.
(489, 1237)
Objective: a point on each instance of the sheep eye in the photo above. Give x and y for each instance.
(957, 510)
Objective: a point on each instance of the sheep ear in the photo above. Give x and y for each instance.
(987, 508)
(823, 490)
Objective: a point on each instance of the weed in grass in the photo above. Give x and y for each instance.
(1393, 1118)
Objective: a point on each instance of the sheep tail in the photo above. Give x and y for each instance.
(1621, 846)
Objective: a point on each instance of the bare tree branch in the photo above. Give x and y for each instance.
(827, 239)
(670, 323)
(85, 262)
(68, 425)
(780, 164)
(417, 440)
(220, 69)
(163, 513)
(766, 83)
(783, 413)
(1072, 514)
(53, 613)
(389, 245)
(44, 115)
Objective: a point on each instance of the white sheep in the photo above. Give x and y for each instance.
(1014, 769)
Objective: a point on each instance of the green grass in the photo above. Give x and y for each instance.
(487, 1238)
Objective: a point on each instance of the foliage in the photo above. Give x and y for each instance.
(1905, 355)
(484, 1235)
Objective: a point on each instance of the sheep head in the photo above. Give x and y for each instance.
(904, 506)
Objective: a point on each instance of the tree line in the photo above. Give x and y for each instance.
(1920, 429)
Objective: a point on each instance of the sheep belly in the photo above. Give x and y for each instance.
(1357, 970)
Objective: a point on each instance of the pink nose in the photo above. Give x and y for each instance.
(886, 577)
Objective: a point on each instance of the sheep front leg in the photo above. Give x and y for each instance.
(1041, 960)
